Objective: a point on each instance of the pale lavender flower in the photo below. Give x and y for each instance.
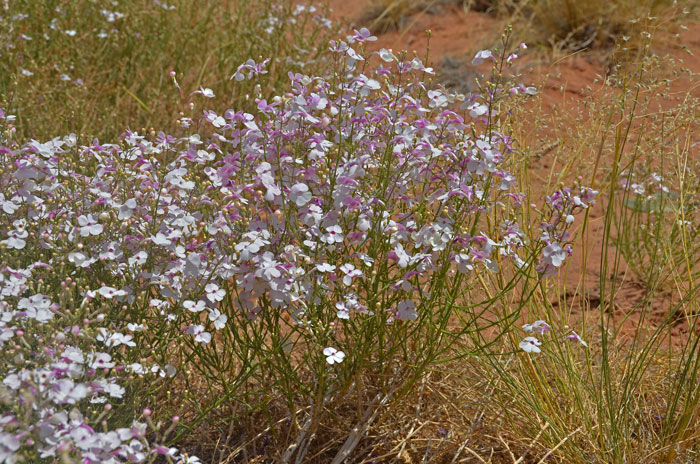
(363, 35)
(406, 311)
(539, 327)
(299, 194)
(482, 56)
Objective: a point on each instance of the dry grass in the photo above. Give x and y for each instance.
(562, 25)
(387, 15)
(459, 413)
(79, 70)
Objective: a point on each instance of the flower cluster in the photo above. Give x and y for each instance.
(58, 367)
(646, 187)
(531, 344)
(563, 205)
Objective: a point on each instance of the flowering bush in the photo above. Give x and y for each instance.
(331, 235)
(60, 375)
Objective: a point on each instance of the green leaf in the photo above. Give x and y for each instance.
(659, 202)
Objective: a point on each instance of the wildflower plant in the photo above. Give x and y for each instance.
(286, 254)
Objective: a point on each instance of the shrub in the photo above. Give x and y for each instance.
(294, 253)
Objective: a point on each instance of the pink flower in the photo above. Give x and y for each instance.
(574, 337)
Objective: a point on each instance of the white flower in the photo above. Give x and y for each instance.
(89, 226)
(554, 254)
(77, 258)
(574, 337)
(334, 234)
(530, 345)
(13, 381)
(205, 92)
(114, 390)
(194, 307)
(117, 339)
(136, 368)
(127, 209)
(386, 55)
(350, 272)
(325, 267)
(218, 319)
(16, 239)
(138, 259)
(200, 335)
(36, 307)
(343, 311)
(214, 293)
(477, 109)
(11, 205)
(402, 258)
(333, 356)
(160, 239)
(75, 355)
(189, 460)
(110, 292)
(481, 56)
(159, 303)
(100, 361)
(215, 119)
